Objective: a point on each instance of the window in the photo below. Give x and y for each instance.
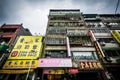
(100, 30)
(56, 31)
(112, 53)
(55, 41)
(56, 54)
(106, 40)
(84, 55)
(81, 41)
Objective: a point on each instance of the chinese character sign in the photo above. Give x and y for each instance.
(90, 65)
(16, 64)
(27, 47)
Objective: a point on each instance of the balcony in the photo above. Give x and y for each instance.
(80, 41)
(77, 32)
(8, 34)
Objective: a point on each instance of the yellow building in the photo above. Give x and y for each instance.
(24, 56)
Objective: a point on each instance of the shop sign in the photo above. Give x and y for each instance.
(91, 35)
(15, 71)
(51, 71)
(98, 50)
(20, 64)
(73, 70)
(90, 65)
(27, 47)
(50, 77)
(116, 35)
(55, 62)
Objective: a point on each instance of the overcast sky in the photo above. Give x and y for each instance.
(33, 13)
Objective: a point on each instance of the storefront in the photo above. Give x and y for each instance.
(54, 68)
(53, 74)
(87, 70)
(16, 74)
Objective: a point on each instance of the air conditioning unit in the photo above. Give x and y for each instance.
(102, 43)
(108, 59)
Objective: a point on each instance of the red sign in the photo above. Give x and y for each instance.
(73, 70)
(90, 65)
(14, 53)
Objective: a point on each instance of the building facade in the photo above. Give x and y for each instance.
(71, 50)
(23, 59)
(76, 46)
(9, 34)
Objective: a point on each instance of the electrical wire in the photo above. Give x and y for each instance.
(117, 6)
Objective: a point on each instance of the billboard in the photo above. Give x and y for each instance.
(15, 71)
(27, 47)
(55, 62)
(116, 35)
(53, 71)
(90, 65)
(18, 64)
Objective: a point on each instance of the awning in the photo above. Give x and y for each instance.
(15, 71)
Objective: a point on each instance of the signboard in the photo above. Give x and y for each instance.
(73, 70)
(15, 71)
(55, 62)
(92, 35)
(90, 65)
(116, 35)
(27, 47)
(18, 64)
(52, 71)
(99, 51)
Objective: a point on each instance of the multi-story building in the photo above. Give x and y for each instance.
(76, 46)
(111, 49)
(69, 52)
(9, 34)
(107, 37)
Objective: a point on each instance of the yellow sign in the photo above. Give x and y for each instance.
(98, 50)
(116, 35)
(18, 64)
(27, 47)
(53, 71)
(15, 71)
(90, 65)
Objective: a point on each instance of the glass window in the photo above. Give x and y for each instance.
(57, 54)
(84, 55)
(112, 53)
